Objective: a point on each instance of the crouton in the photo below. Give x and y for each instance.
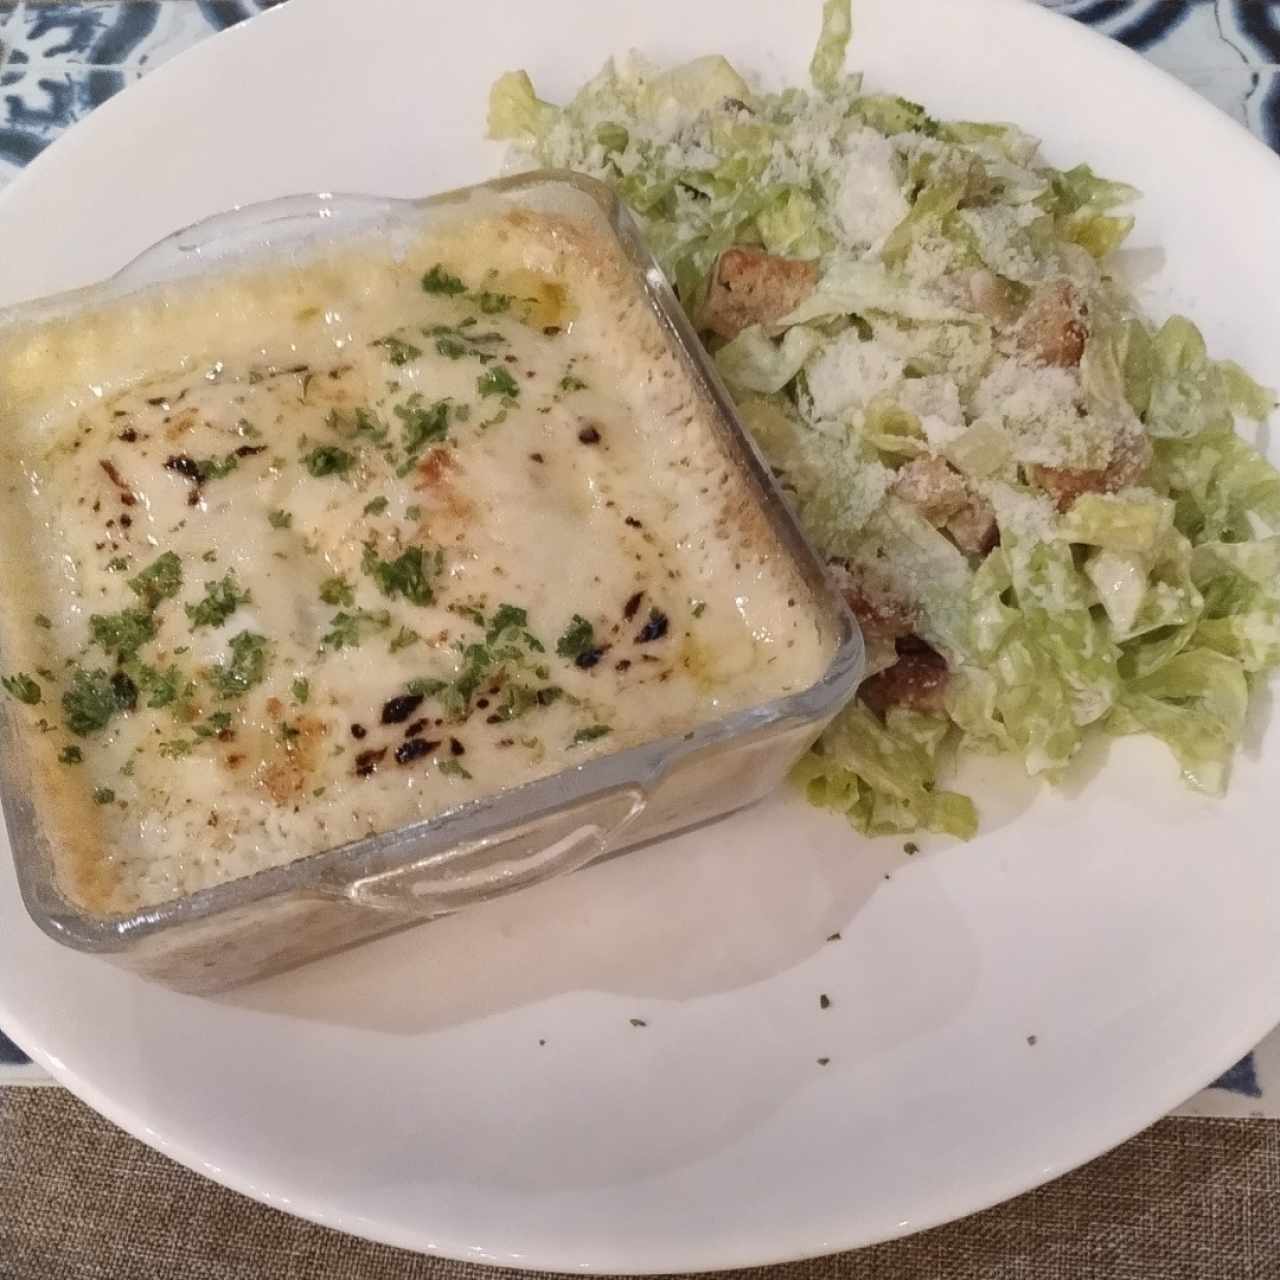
(881, 611)
(917, 682)
(1052, 327)
(1130, 458)
(750, 286)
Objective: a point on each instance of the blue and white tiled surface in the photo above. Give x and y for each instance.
(60, 58)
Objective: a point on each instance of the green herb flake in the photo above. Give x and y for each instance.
(159, 580)
(452, 768)
(422, 424)
(216, 468)
(345, 628)
(398, 351)
(22, 687)
(117, 564)
(160, 687)
(71, 755)
(176, 748)
(492, 304)
(408, 575)
(103, 795)
(403, 639)
(221, 600)
(699, 608)
(497, 382)
(216, 723)
(590, 734)
(579, 639)
(122, 634)
(337, 590)
(42, 620)
(328, 460)
(246, 668)
(570, 383)
(428, 688)
(301, 688)
(92, 700)
(438, 280)
(413, 512)
(376, 507)
(210, 556)
(506, 616)
(280, 518)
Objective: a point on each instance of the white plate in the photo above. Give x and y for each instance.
(402, 1091)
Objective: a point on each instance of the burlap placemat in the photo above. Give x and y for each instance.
(81, 1201)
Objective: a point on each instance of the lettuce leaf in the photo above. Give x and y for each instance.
(827, 64)
(881, 774)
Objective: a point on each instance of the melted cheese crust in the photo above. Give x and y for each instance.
(446, 518)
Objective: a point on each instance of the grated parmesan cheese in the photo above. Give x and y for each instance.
(870, 203)
(849, 373)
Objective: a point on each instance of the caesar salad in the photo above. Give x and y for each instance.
(1036, 499)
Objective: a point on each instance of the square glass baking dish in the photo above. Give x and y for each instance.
(322, 902)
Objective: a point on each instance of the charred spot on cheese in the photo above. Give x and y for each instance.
(439, 506)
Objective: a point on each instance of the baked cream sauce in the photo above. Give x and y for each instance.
(313, 551)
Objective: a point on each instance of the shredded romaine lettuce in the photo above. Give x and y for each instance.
(967, 406)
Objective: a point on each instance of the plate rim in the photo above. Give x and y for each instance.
(996, 1189)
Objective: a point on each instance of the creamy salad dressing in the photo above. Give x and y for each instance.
(308, 553)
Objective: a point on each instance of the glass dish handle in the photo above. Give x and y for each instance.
(551, 844)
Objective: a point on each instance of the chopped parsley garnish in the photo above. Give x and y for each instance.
(41, 620)
(221, 600)
(22, 687)
(70, 755)
(491, 304)
(507, 615)
(122, 634)
(476, 662)
(428, 688)
(117, 564)
(403, 639)
(376, 507)
(328, 460)
(413, 512)
(159, 580)
(578, 642)
(337, 590)
(590, 734)
(217, 722)
(201, 470)
(570, 383)
(398, 351)
(453, 768)
(93, 699)
(699, 608)
(301, 688)
(159, 687)
(344, 632)
(422, 424)
(280, 518)
(451, 346)
(103, 795)
(497, 382)
(438, 280)
(509, 618)
(176, 748)
(408, 575)
(246, 668)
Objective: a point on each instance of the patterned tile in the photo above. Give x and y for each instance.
(59, 59)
